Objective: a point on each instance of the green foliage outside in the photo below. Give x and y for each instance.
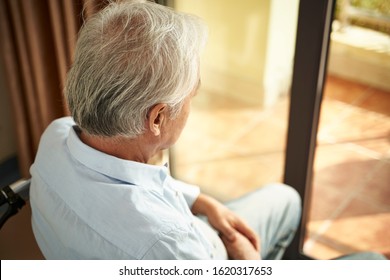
(381, 7)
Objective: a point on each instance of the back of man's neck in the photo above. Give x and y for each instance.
(120, 147)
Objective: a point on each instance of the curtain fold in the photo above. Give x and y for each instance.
(36, 44)
(13, 71)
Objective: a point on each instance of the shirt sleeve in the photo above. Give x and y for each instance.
(190, 192)
(178, 246)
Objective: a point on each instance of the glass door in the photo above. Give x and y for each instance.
(350, 199)
(310, 63)
(235, 137)
(342, 172)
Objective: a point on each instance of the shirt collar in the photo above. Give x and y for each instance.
(145, 175)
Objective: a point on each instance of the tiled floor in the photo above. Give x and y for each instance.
(229, 148)
(351, 189)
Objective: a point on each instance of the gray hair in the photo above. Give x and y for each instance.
(129, 57)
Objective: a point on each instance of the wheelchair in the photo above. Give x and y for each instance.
(12, 199)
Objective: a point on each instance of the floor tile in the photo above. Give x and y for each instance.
(211, 127)
(360, 125)
(345, 91)
(321, 251)
(360, 227)
(332, 113)
(342, 167)
(324, 201)
(265, 137)
(377, 101)
(377, 189)
(230, 178)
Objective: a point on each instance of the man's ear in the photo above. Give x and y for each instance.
(156, 118)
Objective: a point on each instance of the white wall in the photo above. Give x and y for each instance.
(251, 46)
(280, 49)
(234, 58)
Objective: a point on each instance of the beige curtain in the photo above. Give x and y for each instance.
(37, 39)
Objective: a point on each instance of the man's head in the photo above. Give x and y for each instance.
(130, 57)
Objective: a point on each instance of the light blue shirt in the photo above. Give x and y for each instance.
(90, 205)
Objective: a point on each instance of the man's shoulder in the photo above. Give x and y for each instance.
(56, 130)
(59, 125)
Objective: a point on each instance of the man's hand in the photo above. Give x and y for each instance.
(240, 248)
(231, 227)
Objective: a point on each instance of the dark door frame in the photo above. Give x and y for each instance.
(309, 72)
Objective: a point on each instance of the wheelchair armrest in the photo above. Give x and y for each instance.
(12, 199)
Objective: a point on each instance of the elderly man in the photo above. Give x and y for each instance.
(93, 195)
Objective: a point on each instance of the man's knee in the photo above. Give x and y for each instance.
(285, 193)
(288, 200)
(292, 197)
(295, 204)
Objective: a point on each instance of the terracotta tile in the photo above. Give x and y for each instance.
(230, 178)
(228, 124)
(196, 147)
(321, 251)
(315, 228)
(212, 134)
(377, 189)
(353, 112)
(332, 112)
(380, 146)
(361, 125)
(324, 201)
(343, 90)
(205, 135)
(340, 172)
(341, 167)
(377, 101)
(361, 227)
(266, 137)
